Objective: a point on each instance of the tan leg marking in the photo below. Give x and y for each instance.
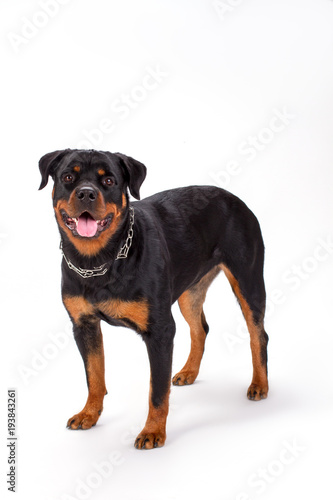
(259, 386)
(153, 434)
(88, 417)
(95, 371)
(190, 370)
(190, 303)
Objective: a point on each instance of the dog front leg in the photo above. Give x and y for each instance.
(89, 340)
(159, 342)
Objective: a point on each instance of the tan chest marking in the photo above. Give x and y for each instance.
(77, 306)
(135, 311)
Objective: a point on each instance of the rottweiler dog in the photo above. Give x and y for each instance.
(127, 262)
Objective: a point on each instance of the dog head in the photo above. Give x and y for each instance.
(90, 193)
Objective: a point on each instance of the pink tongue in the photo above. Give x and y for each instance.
(86, 226)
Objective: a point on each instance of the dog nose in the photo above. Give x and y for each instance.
(86, 193)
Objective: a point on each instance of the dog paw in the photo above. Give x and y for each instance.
(256, 392)
(83, 420)
(149, 440)
(184, 378)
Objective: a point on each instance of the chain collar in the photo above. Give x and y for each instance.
(122, 254)
(101, 270)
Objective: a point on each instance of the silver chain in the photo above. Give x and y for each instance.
(122, 254)
(85, 273)
(101, 270)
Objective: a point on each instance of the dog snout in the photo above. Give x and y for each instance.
(86, 193)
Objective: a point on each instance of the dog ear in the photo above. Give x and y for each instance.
(48, 164)
(135, 173)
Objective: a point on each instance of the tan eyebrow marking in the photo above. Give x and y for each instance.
(77, 168)
(101, 171)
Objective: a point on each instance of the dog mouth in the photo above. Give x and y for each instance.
(86, 225)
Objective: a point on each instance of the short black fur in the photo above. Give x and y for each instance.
(179, 236)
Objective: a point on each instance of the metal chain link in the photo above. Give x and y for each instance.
(84, 273)
(122, 254)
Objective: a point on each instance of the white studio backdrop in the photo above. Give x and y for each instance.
(233, 93)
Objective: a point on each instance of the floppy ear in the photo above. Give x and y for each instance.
(48, 163)
(135, 173)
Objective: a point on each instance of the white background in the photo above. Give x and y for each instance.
(226, 73)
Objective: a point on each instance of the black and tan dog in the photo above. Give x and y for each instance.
(127, 263)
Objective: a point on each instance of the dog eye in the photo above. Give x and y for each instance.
(108, 181)
(68, 178)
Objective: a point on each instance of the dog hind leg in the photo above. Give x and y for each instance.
(191, 306)
(250, 292)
